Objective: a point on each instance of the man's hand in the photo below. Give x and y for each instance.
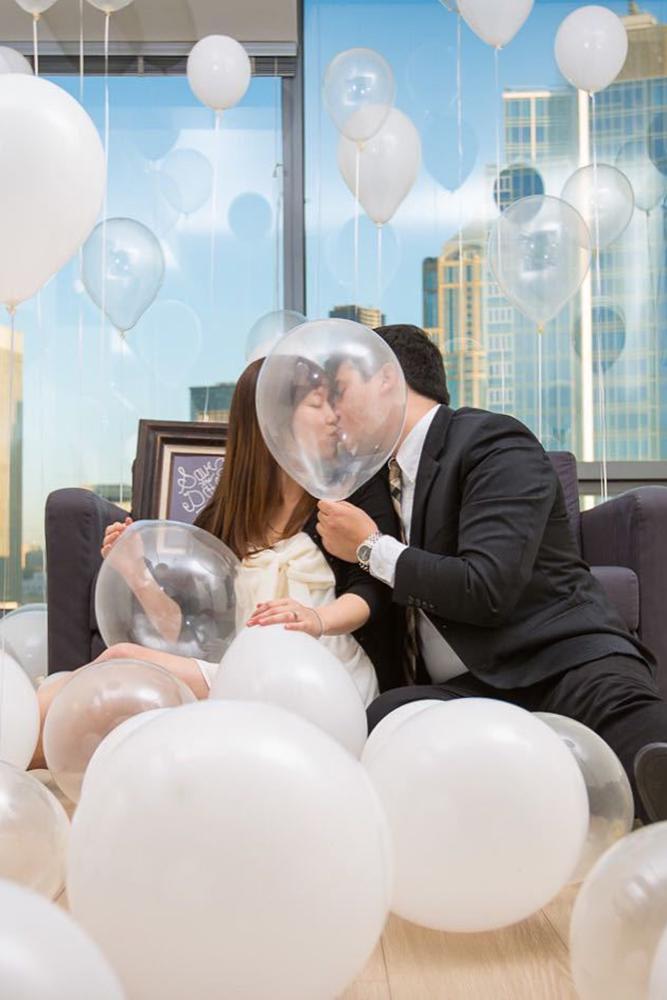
(343, 527)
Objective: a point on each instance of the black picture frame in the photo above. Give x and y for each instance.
(160, 486)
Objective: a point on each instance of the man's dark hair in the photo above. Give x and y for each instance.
(419, 358)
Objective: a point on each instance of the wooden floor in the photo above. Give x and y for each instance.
(528, 961)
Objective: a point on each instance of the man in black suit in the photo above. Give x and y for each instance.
(498, 602)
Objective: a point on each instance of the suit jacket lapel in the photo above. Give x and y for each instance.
(427, 471)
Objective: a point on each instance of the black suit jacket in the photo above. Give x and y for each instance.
(492, 560)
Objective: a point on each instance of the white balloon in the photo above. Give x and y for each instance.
(110, 6)
(648, 184)
(657, 988)
(488, 814)
(19, 714)
(496, 22)
(34, 831)
(96, 766)
(234, 831)
(603, 196)
(388, 166)
(219, 71)
(296, 672)
(25, 633)
(591, 46)
(43, 954)
(52, 182)
(12, 61)
(385, 729)
(35, 7)
(619, 917)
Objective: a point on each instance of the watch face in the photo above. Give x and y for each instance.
(364, 552)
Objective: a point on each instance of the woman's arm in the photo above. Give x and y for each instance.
(346, 614)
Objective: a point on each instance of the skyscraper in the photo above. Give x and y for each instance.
(367, 316)
(11, 436)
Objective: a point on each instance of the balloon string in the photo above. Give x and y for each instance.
(379, 270)
(103, 259)
(278, 176)
(79, 352)
(597, 346)
(35, 46)
(8, 561)
(356, 224)
(121, 422)
(214, 205)
(540, 384)
(43, 425)
(496, 67)
(459, 127)
(81, 58)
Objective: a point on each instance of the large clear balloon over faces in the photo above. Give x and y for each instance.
(331, 405)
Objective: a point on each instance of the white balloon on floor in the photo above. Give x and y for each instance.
(657, 989)
(46, 213)
(242, 853)
(293, 670)
(619, 918)
(96, 767)
(487, 810)
(19, 713)
(610, 802)
(25, 633)
(219, 71)
(43, 954)
(386, 728)
(34, 831)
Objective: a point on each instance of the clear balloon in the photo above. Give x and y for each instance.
(169, 339)
(244, 825)
(591, 46)
(478, 793)
(268, 330)
(123, 270)
(296, 672)
(110, 6)
(34, 831)
(608, 335)
(35, 7)
(12, 61)
(647, 182)
(657, 989)
(44, 954)
(250, 217)
(170, 586)
(610, 802)
(539, 252)
(604, 198)
(19, 714)
(359, 91)
(516, 182)
(619, 917)
(219, 71)
(96, 700)
(657, 141)
(388, 166)
(386, 728)
(24, 634)
(95, 770)
(331, 404)
(186, 180)
(439, 130)
(46, 214)
(496, 22)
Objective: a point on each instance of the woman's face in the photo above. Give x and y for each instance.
(315, 426)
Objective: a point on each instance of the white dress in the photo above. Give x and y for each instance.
(295, 567)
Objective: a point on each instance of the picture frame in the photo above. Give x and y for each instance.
(176, 468)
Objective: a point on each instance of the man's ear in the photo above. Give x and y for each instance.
(388, 378)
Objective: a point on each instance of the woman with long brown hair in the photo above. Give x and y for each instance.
(269, 521)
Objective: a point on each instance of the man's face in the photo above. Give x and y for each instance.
(356, 407)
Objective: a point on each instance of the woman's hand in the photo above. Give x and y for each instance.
(296, 617)
(112, 534)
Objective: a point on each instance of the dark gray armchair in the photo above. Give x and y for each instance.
(623, 540)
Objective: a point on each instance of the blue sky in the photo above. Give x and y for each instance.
(84, 391)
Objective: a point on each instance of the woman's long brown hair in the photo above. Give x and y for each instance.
(249, 489)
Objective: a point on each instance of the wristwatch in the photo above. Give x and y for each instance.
(364, 550)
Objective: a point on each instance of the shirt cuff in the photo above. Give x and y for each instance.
(384, 556)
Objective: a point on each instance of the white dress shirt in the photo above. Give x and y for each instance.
(441, 661)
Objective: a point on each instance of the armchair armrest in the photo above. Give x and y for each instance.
(631, 530)
(75, 520)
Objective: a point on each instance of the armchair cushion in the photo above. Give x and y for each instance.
(622, 588)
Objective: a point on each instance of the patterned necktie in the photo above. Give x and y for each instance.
(410, 642)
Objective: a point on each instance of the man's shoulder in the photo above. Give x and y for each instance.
(468, 422)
